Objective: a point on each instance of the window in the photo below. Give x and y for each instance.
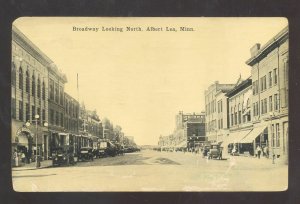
(263, 83)
(39, 88)
(56, 93)
(51, 89)
(275, 76)
(61, 96)
(20, 78)
(277, 135)
(43, 115)
(27, 112)
(21, 110)
(270, 79)
(270, 103)
(61, 119)
(273, 135)
(276, 102)
(265, 105)
(235, 116)
(240, 117)
(221, 103)
(13, 108)
(56, 118)
(27, 85)
(33, 85)
(33, 112)
(52, 116)
(38, 112)
(254, 109)
(262, 107)
(13, 74)
(43, 91)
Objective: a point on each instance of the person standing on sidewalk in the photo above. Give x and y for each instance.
(258, 149)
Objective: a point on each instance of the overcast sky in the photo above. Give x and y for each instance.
(140, 80)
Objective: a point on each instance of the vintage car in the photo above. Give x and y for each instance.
(107, 148)
(205, 150)
(86, 154)
(63, 156)
(215, 152)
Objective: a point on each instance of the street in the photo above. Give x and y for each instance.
(156, 171)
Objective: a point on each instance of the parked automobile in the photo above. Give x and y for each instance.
(86, 154)
(215, 152)
(205, 150)
(63, 156)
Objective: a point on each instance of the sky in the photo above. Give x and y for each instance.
(141, 79)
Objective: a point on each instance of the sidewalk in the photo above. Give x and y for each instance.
(32, 166)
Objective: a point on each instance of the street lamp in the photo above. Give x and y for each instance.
(36, 136)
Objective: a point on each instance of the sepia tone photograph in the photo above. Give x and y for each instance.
(128, 104)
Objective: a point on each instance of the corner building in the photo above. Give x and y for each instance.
(269, 72)
(29, 97)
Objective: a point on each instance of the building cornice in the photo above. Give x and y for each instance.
(281, 37)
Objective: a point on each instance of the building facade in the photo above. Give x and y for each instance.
(71, 121)
(216, 109)
(57, 132)
(29, 99)
(239, 117)
(269, 72)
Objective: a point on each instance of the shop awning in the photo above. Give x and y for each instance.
(235, 137)
(253, 134)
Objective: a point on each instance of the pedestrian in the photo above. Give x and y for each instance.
(266, 150)
(258, 149)
(23, 158)
(16, 157)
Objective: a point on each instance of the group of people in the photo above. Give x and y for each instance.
(264, 151)
(21, 157)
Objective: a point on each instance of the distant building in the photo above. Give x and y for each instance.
(71, 121)
(216, 109)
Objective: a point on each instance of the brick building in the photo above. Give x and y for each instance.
(71, 121)
(269, 72)
(57, 132)
(29, 88)
(216, 109)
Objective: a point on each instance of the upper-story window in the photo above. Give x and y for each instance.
(270, 79)
(56, 93)
(20, 78)
(43, 91)
(263, 83)
(13, 74)
(33, 85)
(39, 88)
(51, 89)
(27, 82)
(61, 96)
(275, 76)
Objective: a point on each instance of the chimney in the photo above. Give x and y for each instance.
(254, 49)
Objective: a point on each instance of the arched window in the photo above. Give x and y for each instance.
(43, 91)
(27, 82)
(20, 78)
(13, 74)
(39, 88)
(33, 85)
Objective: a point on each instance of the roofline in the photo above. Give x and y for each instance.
(268, 46)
